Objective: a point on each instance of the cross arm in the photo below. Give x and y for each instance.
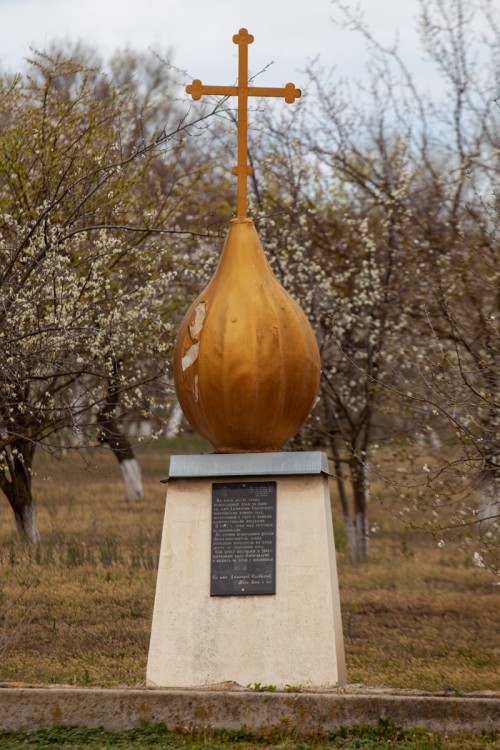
(197, 89)
(289, 92)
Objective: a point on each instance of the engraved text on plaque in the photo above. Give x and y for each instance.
(243, 539)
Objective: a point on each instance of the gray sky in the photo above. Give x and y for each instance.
(199, 32)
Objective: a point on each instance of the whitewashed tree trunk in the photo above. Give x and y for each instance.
(174, 421)
(15, 482)
(361, 536)
(488, 511)
(350, 534)
(110, 433)
(132, 479)
(26, 524)
(356, 529)
(359, 550)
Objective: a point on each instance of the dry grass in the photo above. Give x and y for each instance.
(77, 610)
(425, 621)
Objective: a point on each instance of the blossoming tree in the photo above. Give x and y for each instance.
(92, 185)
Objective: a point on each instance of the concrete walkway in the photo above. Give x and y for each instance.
(229, 707)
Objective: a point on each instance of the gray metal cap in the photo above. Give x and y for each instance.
(249, 464)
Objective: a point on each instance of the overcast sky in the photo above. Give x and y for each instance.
(288, 33)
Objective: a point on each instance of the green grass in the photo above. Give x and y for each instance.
(157, 736)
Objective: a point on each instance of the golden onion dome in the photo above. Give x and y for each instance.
(246, 361)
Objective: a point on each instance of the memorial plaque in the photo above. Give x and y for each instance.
(243, 539)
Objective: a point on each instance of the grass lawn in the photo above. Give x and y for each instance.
(158, 737)
(77, 609)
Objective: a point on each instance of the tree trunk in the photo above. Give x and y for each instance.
(344, 502)
(132, 479)
(110, 434)
(488, 510)
(131, 472)
(174, 421)
(15, 482)
(359, 551)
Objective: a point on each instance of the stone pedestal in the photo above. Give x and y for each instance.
(293, 637)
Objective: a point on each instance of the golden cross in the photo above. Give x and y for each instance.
(243, 91)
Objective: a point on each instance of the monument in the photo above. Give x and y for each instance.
(247, 588)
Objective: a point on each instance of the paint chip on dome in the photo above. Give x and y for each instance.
(190, 356)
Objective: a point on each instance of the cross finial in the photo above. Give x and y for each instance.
(243, 37)
(243, 91)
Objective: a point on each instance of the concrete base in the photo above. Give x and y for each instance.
(292, 638)
(291, 714)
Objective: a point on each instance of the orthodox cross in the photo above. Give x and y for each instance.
(243, 91)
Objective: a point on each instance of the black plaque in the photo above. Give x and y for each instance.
(243, 539)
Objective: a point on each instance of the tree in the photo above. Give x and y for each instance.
(453, 388)
(338, 233)
(378, 227)
(92, 181)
